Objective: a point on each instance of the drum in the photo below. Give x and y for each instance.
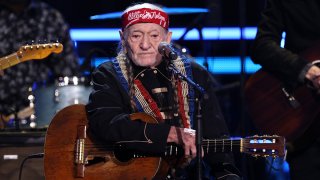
(52, 98)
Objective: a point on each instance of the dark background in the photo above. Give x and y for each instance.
(223, 13)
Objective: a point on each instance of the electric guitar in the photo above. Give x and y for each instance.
(72, 152)
(30, 52)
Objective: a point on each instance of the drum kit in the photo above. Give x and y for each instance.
(64, 92)
(46, 101)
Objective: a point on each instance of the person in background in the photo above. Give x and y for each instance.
(299, 19)
(33, 22)
(138, 80)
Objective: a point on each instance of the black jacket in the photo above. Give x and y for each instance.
(299, 19)
(109, 107)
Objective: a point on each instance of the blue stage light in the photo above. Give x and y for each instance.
(216, 65)
(209, 33)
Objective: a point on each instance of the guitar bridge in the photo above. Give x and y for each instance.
(79, 159)
(79, 151)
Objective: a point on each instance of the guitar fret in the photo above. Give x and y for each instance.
(222, 145)
(231, 145)
(215, 145)
(9, 61)
(207, 147)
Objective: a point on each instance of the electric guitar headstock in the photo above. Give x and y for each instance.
(30, 52)
(264, 146)
(38, 51)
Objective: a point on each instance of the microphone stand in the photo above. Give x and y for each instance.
(203, 95)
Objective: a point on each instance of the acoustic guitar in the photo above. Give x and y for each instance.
(277, 109)
(30, 52)
(72, 152)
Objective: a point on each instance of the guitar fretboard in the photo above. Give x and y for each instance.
(9, 60)
(215, 145)
(222, 145)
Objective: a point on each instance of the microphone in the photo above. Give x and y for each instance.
(167, 51)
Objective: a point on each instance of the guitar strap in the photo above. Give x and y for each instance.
(185, 92)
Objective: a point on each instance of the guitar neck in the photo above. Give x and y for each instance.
(222, 145)
(9, 61)
(214, 145)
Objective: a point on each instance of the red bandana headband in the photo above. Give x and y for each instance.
(145, 15)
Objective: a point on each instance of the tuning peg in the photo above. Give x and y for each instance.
(57, 42)
(27, 44)
(30, 46)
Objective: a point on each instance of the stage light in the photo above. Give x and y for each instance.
(209, 33)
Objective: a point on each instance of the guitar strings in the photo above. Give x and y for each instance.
(219, 145)
(204, 144)
(208, 143)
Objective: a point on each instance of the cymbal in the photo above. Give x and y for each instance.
(170, 11)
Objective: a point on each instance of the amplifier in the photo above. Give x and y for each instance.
(16, 146)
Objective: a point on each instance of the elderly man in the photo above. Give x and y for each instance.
(138, 80)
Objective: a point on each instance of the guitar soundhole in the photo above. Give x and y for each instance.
(123, 154)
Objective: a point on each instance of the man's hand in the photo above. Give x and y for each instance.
(186, 138)
(313, 75)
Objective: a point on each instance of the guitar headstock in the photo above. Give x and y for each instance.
(264, 146)
(38, 51)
